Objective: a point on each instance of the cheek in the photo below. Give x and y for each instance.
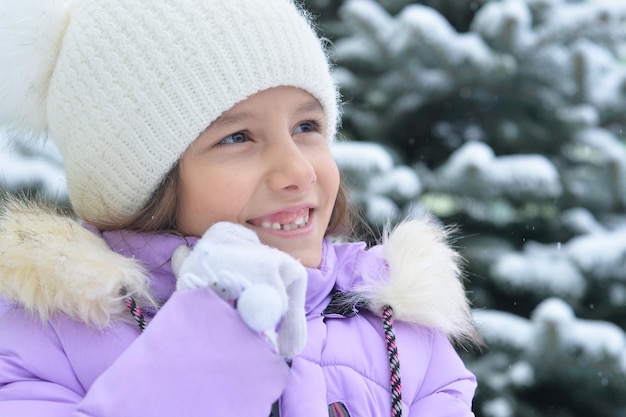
(204, 203)
(212, 199)
(328, 176)
(197, 203)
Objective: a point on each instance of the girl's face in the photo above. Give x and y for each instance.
(265, 164)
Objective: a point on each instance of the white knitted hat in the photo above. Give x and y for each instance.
(124, 86)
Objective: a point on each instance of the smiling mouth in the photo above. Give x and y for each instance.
(286, 221)
(298, 223)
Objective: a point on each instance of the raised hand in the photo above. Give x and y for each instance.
(265, 284)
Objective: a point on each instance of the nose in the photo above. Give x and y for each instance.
(290, 168)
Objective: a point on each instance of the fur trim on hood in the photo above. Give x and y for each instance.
(51, 264)
(425, 284)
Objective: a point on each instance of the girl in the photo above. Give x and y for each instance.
(195, 118)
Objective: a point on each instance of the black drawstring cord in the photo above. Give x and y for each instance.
(394, 362)
(134, 309)
(347, 305)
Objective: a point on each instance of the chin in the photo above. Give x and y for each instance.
(309, 258)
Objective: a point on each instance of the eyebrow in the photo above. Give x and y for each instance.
(312, 105)
(233, 118)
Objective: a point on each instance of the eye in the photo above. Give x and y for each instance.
(309, 126)
(239, 137)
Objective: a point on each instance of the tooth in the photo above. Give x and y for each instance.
(276, 226)
(299, 221)
(287, 227)
(266, 225)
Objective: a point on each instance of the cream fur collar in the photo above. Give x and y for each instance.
(51, 264)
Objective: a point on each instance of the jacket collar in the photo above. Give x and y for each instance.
(154, 252)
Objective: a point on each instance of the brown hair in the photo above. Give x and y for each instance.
(159, 214)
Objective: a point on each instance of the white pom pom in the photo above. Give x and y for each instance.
(31, 32)
(261, 307)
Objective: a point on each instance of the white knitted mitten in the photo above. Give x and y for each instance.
(267, 284)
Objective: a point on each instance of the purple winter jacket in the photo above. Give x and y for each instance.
(69, 348)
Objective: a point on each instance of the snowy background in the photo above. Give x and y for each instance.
(505, 118)
(34, 166)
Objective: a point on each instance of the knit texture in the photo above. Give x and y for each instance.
(136, 81)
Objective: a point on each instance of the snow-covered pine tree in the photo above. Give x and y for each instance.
(31, 167)
(512, 115)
